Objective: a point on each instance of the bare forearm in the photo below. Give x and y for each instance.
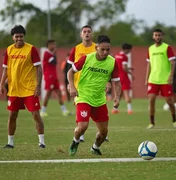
(117, 89)
(70, 77)
(147, 72)
(3, 77)
(39, 75)
(172, 67)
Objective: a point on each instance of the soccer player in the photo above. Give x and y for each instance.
(22, 68)
(97, 69)
(159, 75)
(84, 48)
(124, 70)
(50, 77)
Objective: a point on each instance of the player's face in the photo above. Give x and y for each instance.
(86, 34)
(52, 46)
(18, 39)
(157, 37)
(103, 50)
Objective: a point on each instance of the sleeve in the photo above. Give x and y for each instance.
(148, 57)
(71, 58)
(35, 56)
(115, 73)
(170, 53)
(125, 60)
(78, 65)
(5, 59)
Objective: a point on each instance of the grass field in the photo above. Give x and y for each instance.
(126, 132)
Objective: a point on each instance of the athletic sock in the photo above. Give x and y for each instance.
(95, 146)
(77, 141)
(43, 109)
(129, 106)
(63, 108)
(11, 140)
(41, 139)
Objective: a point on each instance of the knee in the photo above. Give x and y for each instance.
(81, 128)
(36, 115)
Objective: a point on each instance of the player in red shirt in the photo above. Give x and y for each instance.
(124, 70)
(50, 77)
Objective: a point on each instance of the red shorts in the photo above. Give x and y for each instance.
(126, 84)
(163, 89)
(16, 103)
(52, 84)
(98, 114)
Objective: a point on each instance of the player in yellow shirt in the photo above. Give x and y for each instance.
(22, 68)
(87, 46)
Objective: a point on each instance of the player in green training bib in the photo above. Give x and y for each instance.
(159, 75)
(96, 70)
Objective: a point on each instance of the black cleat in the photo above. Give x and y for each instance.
(106, 140)
(42, 146)
(8, 146)
(82, 140)
(95, 151)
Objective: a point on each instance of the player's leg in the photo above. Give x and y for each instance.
(166, 91)
(45, 103)
(116, 110)
(153, 91)
(126, 94)
(14, 105)
(100, 116)
(33, 105)
(82, 118)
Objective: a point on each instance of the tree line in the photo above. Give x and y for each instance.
(66, 20)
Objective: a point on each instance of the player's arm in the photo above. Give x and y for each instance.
(148, 69)
(116, 84)
(171, 58)
(37, 63)
(4, 74)
(70, 75)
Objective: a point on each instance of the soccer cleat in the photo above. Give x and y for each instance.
(130, 112)
(73, 148)
(115, 111)
(66, 113)
(42, 146)
(43, 114)
(95, 151)
(150, 126)
(82, 140)
(8, 146)
(174, 124)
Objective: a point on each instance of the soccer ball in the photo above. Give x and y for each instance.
(147, 150)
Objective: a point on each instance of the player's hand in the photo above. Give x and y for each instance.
(108, 87)
(2, 89)
(170, 80)
(37, 91)
(116, 103)
(73, 91)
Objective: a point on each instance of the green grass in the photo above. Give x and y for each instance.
(126, 132)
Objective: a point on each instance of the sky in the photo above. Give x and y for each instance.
(150, 11)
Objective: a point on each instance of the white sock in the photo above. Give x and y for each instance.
(41, 139)
(11, 140)
(63, 108)
(115, 108)
(129, 106)
(82, 137)
(43, 109)
(106, 137)
(77, 141)
(95, 146)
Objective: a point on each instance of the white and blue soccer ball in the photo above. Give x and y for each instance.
(147, 150)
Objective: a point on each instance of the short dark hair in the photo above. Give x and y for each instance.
(49, 41)
(18, 29)
(86, 26)
(157, 30)
(102, 39)
(126, 46)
